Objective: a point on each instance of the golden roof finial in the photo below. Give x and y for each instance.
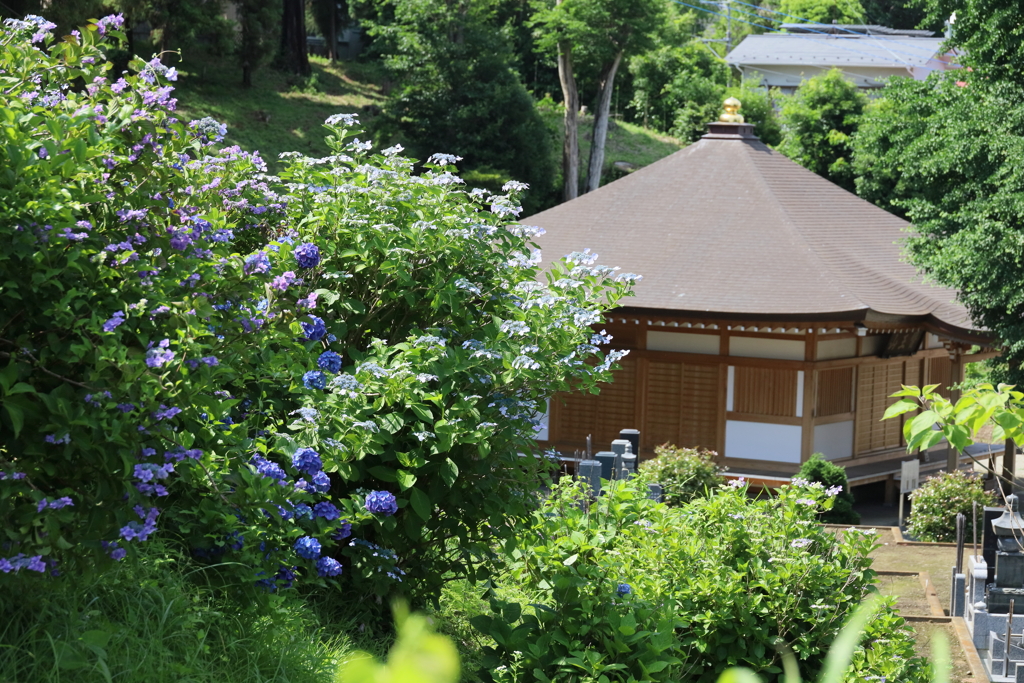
(730, 114)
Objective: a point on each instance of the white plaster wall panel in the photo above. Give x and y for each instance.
(834, 441)
(762, 441)
(730, 388)
(756, 347)
(683, 342)
(933, 341)
(872, 346)
(800, 393)
(830, 349)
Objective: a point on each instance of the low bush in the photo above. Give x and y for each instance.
(629, 589)
(683, 473)
(832, 477)
(935, 505)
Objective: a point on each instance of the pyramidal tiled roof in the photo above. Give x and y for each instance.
(729, 226)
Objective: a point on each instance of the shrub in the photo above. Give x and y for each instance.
(326, 377)
(629, 589)
(830, 475)
(935, 505)
(683, 473)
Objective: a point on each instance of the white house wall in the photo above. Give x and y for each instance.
(683, 342)
(763, 441)
(830, 349)
(757, 347)
(834, 441)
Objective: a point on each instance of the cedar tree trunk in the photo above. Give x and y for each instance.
(604, 105)
(293, 38)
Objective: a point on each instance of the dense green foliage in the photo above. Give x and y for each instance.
(458, 93)
(327, 376)
(156, 621)
(817, 123)
(683, 473)
(935, 505)
(629, 589)
(830, 475)
(823, 11)
(944, 154)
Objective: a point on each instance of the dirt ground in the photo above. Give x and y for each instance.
(936, 560)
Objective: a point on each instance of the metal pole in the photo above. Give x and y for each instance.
(900, 523)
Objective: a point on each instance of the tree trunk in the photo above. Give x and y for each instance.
(332, 49)
(570, 140)
(604, 105)
(293, 55)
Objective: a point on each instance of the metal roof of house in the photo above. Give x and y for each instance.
(728, 227)
(834, 50)
(855, 29)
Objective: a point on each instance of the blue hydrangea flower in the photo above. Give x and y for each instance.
(307, 255)
(303, 511)
(307, 547)
(327, 511)
(307, 460)
(257, 263)
(381, 503)
(329, 361)
(267, 468)
(624, 589)
(314, 379)
(343, 532)
(114, 321)
(321, 482)
(328, 566)
(314, 330)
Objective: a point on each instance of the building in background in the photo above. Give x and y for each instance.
(866, 54)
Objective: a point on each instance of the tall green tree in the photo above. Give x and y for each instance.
(946, 154)
(458, 93)
(823, 11)
(817, 123)
(603, 33)
(678, 89)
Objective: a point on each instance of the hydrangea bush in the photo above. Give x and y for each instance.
(330, 376)
(934, 506)
(683, 473)
(633, 590)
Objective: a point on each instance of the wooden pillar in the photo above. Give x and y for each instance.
(956, 373)
(810, 385)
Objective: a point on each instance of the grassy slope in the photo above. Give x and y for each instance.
(281, 113)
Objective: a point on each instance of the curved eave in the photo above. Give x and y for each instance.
(838, 318)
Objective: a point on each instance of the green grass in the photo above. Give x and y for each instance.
(280, 113)
(626, 142)
(151, 622)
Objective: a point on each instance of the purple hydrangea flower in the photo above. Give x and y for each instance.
(329, 361)
(314, 379)
(328, 566)
(307, 255)
(308, 302)
(257, 263)
(114, 321)
(283, 281)
(327, 511)
(307, 547)
(315, 329)
(381, 503)
(159, 355)
(307, 460)
(165, 413)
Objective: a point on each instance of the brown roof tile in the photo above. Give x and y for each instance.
(728, 225)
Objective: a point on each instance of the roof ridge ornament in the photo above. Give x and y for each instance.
(731, 113)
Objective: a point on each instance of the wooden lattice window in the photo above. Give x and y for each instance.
(602, 415)
(682, 405)
(875, 384)
(765, 391)
(835, 392)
